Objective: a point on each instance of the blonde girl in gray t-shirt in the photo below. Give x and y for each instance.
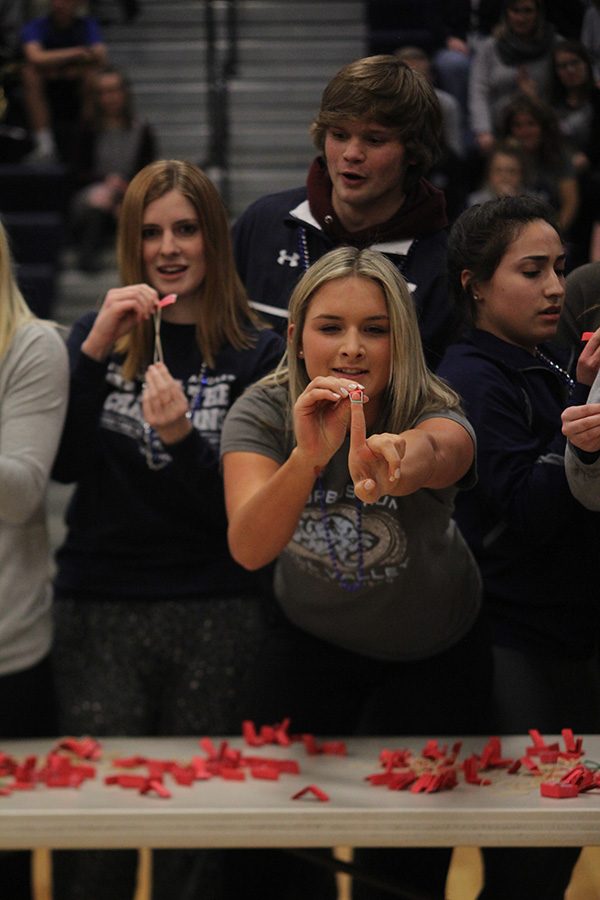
(342, 467)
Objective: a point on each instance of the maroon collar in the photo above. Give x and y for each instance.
(422, 213)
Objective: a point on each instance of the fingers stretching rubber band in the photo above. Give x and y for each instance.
(357, 396)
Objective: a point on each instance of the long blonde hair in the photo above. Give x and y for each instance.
(412, 389)
(224, 314)
(14, 311)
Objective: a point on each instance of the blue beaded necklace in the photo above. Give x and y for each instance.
(562, 372)
(349, 586)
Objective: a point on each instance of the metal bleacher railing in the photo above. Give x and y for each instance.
(221, 23)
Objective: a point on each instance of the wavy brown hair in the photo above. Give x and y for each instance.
(384, 89)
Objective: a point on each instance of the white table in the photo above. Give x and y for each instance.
(257, 813)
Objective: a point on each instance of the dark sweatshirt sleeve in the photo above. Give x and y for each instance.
(86, 396)
(523, 484)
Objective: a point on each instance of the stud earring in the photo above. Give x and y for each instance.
(300, 354)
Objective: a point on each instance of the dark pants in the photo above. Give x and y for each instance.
(139, 668)
(548, 693)
(329, 691)
(27, 710)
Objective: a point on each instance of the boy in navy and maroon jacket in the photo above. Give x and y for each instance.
(378, 132)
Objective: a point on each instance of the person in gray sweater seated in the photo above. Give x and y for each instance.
(516, 58)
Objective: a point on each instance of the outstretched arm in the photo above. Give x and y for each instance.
(434, 454)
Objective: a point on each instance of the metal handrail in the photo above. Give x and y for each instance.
(221, 24)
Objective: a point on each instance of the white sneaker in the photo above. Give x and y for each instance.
(41, 156)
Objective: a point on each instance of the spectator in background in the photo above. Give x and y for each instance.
(60, 50)
(505, 174)
(576, 101)
(447, 173)
(11, 20)
(516, 58)
(590, 35)
(418, 60)
(33, 399)
(113, 145)
(534, 125)
(14, 135)
(438, 28)
(378, 133)
(581, 310)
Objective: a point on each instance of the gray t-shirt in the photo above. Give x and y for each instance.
(420, 586)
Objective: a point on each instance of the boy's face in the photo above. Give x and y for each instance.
(367, 163)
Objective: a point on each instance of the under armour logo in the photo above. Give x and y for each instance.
(293, 259)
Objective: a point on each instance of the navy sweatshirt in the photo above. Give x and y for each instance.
(537, 547)
(278, 237)
(141, 532)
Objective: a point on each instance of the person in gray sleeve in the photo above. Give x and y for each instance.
(581, 425)
(33, 400)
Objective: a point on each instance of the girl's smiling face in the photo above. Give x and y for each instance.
(522, 301)
(347, 334)
(173, 247)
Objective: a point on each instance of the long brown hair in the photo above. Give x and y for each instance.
(223, 315)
